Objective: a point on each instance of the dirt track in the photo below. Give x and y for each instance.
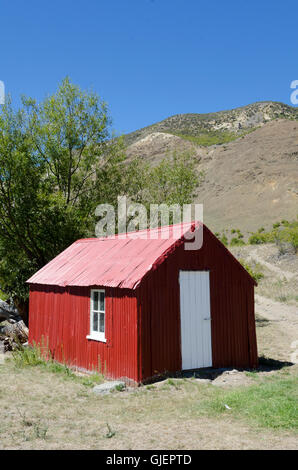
(277, 322)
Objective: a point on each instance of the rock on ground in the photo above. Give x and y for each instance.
(107, 387)
(11, 334)
(7, 312)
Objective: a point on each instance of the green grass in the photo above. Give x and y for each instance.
(212, 137)
(40, 357)
(174, 383)
(209, 138)
(271, 403)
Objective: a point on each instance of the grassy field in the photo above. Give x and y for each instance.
(47, 407)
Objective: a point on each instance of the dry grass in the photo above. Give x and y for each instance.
(280, 290)
(273, 340)
(40, 409)
(273, 285)
(48, 407)
(276, 299)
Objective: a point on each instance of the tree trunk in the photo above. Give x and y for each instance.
(23, 309)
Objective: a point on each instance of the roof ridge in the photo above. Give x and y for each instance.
(147, 230)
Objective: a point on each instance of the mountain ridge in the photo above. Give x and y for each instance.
(251, 177)
(236, 121)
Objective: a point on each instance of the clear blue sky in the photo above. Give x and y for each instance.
(150, 59)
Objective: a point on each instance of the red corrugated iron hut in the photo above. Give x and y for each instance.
(144, 305)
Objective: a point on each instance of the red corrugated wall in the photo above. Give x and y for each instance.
(60, 317)
(232, 310)
(143, 325)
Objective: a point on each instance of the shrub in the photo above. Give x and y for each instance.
(293, 237)
(236, 242)
(256, 239)
(27, 356)
(287, 234)
(285, 223)
(256, 275)
(223, 239)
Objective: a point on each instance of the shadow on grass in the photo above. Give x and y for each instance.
(268, 364)
(265, 365)
(261, 321)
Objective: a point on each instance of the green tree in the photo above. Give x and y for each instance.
(175, 180)
(53, 159)
(58, 161)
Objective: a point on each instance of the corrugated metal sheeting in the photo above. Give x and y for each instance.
(114, 262)
(60, 320)
(142, 323)
(232, 310)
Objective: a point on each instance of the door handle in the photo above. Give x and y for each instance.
(209, 318)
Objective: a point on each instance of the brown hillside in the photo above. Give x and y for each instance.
(250, 182)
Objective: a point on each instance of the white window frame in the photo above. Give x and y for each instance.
(96, 335)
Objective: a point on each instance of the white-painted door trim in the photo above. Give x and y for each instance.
(195, 317)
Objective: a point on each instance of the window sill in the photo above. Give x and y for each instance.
(96, 338)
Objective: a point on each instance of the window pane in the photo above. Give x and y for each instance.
(102, 302)
(95, 300)
(102, 323)
(95, 321)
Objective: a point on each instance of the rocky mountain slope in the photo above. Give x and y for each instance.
(231, 123)
(251, 180)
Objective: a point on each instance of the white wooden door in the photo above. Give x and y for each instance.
(195, 317)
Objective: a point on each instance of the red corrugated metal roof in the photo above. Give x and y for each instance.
(114, 262)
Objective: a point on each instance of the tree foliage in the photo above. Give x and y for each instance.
(283, 233)
(58, 161)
